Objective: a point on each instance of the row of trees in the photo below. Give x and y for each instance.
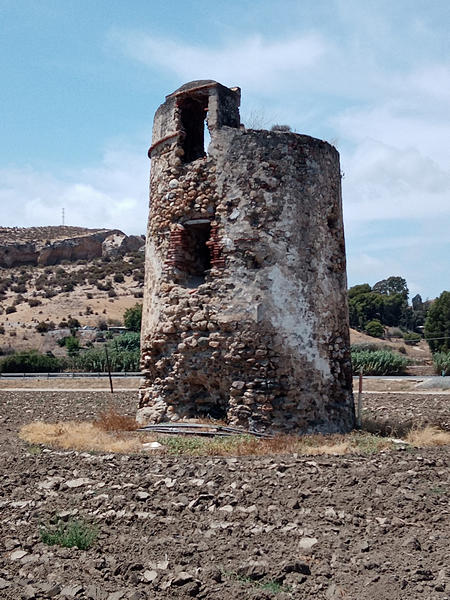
(371, 309)
(386, 302)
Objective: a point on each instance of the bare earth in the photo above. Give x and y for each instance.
(353, 527)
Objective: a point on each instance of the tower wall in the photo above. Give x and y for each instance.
(245, 311)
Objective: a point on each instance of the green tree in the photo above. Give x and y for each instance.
(365, 307)
(394, 310)
(392, 285)
(437, 324)
(133, 317)
(357, 290)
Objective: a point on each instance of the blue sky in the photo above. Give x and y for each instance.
(81, 80)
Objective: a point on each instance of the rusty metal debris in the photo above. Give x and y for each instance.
(205, 429)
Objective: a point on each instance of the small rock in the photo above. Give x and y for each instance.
(254, 570)
(363, 546)
(297, 566)
(181, 578)
(307, 543)
(412, 543)
(142, 495)
(18, 554)
(71, 591)
(149, 576)
(76, 483)
(28, 593)
(50, 483)
(4, 584)
(116, 595)
(151, 445)
(50, 589)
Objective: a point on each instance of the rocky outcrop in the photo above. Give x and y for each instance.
(53, 245)
(118, 244)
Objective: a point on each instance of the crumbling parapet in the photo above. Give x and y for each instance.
(245, 311)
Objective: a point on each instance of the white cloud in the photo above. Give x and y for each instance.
(112, 194)
(383, 182)
(253, 63)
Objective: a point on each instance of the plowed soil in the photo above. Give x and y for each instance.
(372, 526)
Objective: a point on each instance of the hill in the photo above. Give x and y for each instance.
(91, 275)
(45, 246)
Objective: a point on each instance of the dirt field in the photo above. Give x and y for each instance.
(372, 526)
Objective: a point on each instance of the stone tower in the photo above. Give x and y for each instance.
(245, 310)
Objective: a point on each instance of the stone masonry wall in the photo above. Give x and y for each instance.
(261, 338)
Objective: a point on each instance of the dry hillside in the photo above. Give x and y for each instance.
(88, 290)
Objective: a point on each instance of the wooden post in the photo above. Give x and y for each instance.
(358, 414)
(109, 370)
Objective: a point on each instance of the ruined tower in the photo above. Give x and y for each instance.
(245, 310)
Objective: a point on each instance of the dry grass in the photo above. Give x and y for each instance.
(73, 435)
(428, 436)
(112, 420)
(115, 432)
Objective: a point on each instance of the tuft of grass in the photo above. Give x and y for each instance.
(371, 444)
(267, 585)
(112, 420)
(428, 436)
(75, 533)
(34, 449)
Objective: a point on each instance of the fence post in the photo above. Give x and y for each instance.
(359, 411)
(109, 370)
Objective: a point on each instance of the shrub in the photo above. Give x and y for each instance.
(62, 341)
(128, 341)
(378, 362)
(73, 323)
(31, 362)
(132, 317)
(411, 338)
(118, 278)
(102, 324)
(2, 330)
(34, 302)
(441, 362)
(10, 309)
(77, 534)
(374, 328)
(72, 345)
(43, 327)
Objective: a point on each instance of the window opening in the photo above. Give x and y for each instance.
(198, 258)
(193, 119)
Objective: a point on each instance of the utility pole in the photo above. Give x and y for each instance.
(63, 217)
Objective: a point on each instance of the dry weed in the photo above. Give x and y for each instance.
(112, 420)
(428, 436)
(83, 436)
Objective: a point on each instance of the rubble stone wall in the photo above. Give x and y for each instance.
(261, 338)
